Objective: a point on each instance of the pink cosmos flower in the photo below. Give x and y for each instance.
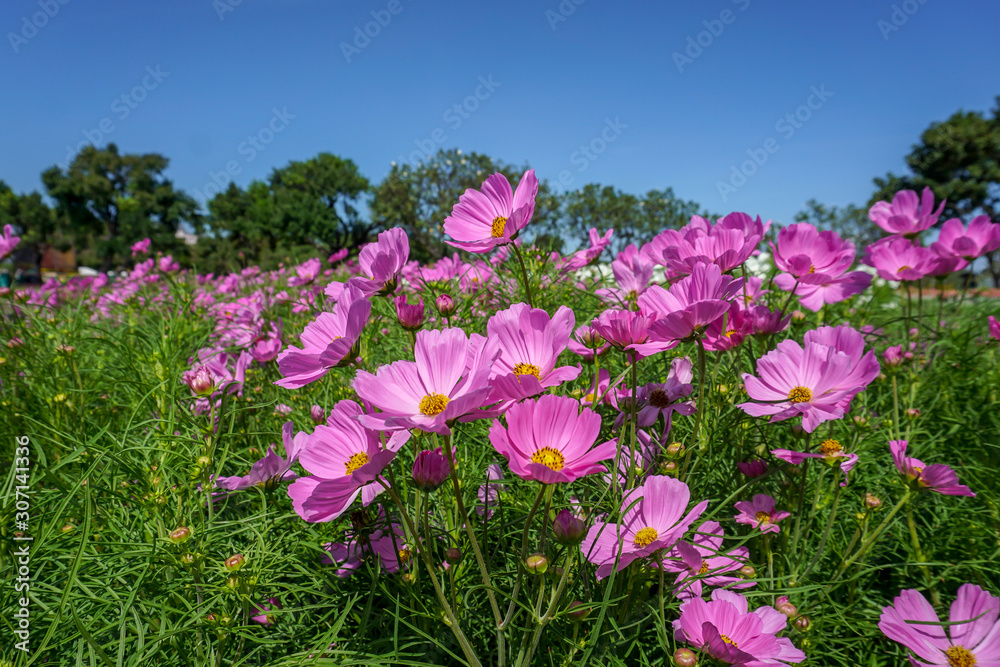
(691, 304)
(166, 264)
(271, 470)
(584, 257)
(632, 271)
(831, 451)
(727, 244)
(306, 272)
(652, 519)
(815, 264)
(263, 613)
(981, 237)
(448, 380)
(664, 399)
(907, 215)
(752, 469)
(383, 260)
(410, 316)
(327, 341)
(935, 477)
(729, 330)
(488, 493)
(138, 248)
(338, 256)
(643, 463)
(728, 631)
(530, 344)
(897, 258)
(760, 513)
(973, 633)
(430, 469)
(599, 392)
(994, 327)
(345, 460)
(765, 322)
(483, 219)
(702, 563)
(817, 380)
(550, 440)
(628, 330)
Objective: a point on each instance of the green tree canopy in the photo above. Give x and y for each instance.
(32, 219)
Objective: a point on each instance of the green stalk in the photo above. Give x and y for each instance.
(520, 561)
(871, 540)
(524, 274)
(921, 557)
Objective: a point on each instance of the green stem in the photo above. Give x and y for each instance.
(524, 554)
(701, 410)
(871, 540)
(524, 274)
(921, 557)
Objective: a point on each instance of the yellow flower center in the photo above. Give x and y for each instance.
(433, 404)
(645, 537)
(356, 461)
(812, 269)
(763, 517)
(959, 656)
(730, 333)
(729, 641)
(496, 229)
(800, 395)
(830, 447)
(704, 567)
(659, 399)
(404, 554)
(335, 338)
(589, 398)
(552, 459)
(904, 268)
(528, 369)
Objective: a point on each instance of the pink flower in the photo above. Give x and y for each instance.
(897, 258)
(726, 244)
(262, 612)
(632, 272)
(338, 256)
(935, 477)
(582, 258)
(166, 264)
(445, 305)
(815, 265)
(599, 392)
(447, 381)
(430, 469)
(818, 380)
(907, 215)
(327, 341)
(664, 399)
(482, 220)
(530, 344)
(702, 563)
(410, 316)
(831, 451)
(383, 261)
(765, 322)
(994, 327)
(586, 342)
(345, 460)
(752, 469)
(728, 631)
(550, 440)
(306, 272)
(489, 493)
(138, 248)
(628, 330)
(271, 470)
(973, 634)
(760, 513)
(954, 240)
(729, 330)
(653, 523)
(691, 304)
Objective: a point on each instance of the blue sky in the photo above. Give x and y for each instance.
(253, 84)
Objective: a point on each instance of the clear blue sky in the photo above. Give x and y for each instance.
(555, 84)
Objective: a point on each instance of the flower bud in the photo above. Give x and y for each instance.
(591, 339)
(788, 609)
(536, 563)
(748, 572)
(802, 623)
(912, 413)
(234, 562)
(68, 528)
(178, 535)
(187, 559)
(317, 415)
(872, 502)
(675, 448)
(409, 578)
(200, 381)
(445, 305)
(578, 612)
(798, 431)
(411, 316)
(751, 469)
(668, 468)
(430, 469)
(567, 529)
(798, 316)
(453, 556)
(893, 356)
(685, 657)
(860, 421)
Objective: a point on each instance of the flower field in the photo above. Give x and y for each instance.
(743, 444)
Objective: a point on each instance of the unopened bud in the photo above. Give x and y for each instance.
(668, 468)
(567, 529)
(913, 413)
(536, 564)
(872, 502)
(234, 562)
(788, 609)
(445, 305)
(577, 611)
(802, 623)
(187, 559)
(178, 535)
(798, 316)
(675, 448)
(685, 657)
(409, 578)
(453, 556)
(317, 415)
(748, 572)
(68, 528)
(723, 389)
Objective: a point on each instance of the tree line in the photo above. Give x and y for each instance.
(104, 201)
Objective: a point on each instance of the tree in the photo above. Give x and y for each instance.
(419, 198)
(302, 207)
(107, 201)
(32, 220)
(959, 159)
(635, 219)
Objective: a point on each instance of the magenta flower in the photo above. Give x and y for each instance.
(391, 548)
(702, 563)
(628, 330)
(981, 237)
(587, 343)
(632, 272)
(973, 634)
(483, 219)
(691, 304)
(263, 613)
(338, 256)
(817, 380)
(550, 440)
(897, 258)
(382, 261)
(345, 460)
(430, 469)
(445, 305)
(530, 344)
(729, 330)
(584, 257)
(664, 399)
(166, 264)
(831, 451)
(994, 327)
(200, 380)
(642, 464)
(652, 524)
(600, 391)
(765, 322)
(447, 381)
(726, 244)
(317, 415)
(327, 341)
(935, 477)
(488, 494)
(568, 529)
(815, 265)
(752, 469)
(306, 272)
(138, 248)
(728, 631)
(271, 470)
(907, 215)
(760, 513)
(410, 316)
